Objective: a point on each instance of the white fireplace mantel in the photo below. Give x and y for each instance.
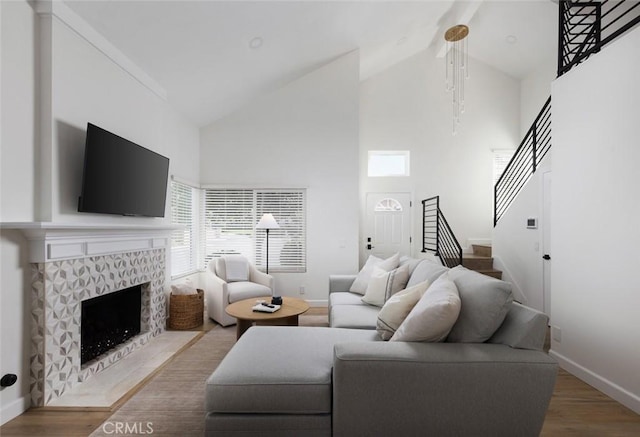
(49, 241)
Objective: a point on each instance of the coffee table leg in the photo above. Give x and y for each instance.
(242, 326)
(291, 321)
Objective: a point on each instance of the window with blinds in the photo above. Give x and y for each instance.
(184, 207)
(501, 159)
(229, 218)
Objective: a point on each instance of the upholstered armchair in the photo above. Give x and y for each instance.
(232, 278)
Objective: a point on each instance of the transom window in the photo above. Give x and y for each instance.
(384, 163)
(388, 204)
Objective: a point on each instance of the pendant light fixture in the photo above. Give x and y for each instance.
(457, 68)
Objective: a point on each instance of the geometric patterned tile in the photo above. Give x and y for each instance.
(57, 290)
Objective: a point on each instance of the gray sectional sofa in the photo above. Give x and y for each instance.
(345, 381)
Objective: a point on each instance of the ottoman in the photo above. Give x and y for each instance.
(276, 380)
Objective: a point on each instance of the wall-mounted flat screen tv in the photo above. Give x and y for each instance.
(121, 177)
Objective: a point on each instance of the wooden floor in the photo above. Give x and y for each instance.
(576, 409)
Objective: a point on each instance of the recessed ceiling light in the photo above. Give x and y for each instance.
(511, 39)
(256, 42)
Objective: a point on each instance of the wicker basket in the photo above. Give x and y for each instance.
(186, 311)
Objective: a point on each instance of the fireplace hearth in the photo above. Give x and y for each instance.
(108, 321)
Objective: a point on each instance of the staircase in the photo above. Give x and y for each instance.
(481, 260)
(438, 238)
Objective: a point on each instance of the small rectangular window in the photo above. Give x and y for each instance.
(501, 158)
(388, 163)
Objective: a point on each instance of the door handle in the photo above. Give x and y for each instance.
(546, 256)
(369, 246)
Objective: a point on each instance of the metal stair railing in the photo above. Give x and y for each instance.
(524, 162)
(437, 235)
(586, 26)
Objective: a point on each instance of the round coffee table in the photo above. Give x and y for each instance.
(288, 313)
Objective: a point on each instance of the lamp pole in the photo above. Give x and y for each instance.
(267, 250)
(267, 222)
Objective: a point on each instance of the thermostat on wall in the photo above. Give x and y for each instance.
(532, 223)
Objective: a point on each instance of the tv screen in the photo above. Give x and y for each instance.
(121, 177)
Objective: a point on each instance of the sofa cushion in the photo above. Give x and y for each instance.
(411, 262)
(354, 316)
(362, 280)
(433, 316)
(426, 271)
(397, 308)
(279, 369)
(345, 298)
(246, 290)
(485, 303)
(383, 284)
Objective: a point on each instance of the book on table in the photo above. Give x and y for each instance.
(265, 308)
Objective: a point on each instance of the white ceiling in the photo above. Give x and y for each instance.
(199, 51)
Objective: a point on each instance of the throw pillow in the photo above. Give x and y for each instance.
(362, 280)
(184, 288)
(383, 285)
(434, 314)
(485, 303)
(396, 309)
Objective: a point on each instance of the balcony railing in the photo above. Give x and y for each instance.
(587, 26)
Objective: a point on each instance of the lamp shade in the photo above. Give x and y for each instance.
(267, 222)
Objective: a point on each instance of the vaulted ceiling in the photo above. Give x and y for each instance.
(214, 56)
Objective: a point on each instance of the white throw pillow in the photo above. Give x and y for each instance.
(397, 308)
(184, 288)
(362, 280)
(434, 315)
(383, 284)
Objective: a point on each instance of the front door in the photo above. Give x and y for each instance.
(388, 224)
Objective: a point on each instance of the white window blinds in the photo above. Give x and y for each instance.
(184, 209)
(501, 159)
(287, 244)
(227, 223)
(229, 218)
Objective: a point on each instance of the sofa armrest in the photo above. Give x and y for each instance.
(397, 388)
(338, 283)
(261, 278)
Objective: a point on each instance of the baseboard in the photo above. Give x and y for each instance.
(318, 303)
(607, 387)
(14, 409)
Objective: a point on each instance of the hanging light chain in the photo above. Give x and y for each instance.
(457, 69)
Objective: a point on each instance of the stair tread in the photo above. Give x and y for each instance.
(474, 256)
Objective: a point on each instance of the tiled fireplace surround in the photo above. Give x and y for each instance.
(70, 264)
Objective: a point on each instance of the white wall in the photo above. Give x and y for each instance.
(595, 208)
(407, 108)
(17, 196)
(89, 87)
(517, 250)
(304, 135)
(44, 54)
(535, 89)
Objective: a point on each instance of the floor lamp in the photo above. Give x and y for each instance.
(267, 222)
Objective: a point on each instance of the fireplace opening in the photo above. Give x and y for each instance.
(108, 321)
